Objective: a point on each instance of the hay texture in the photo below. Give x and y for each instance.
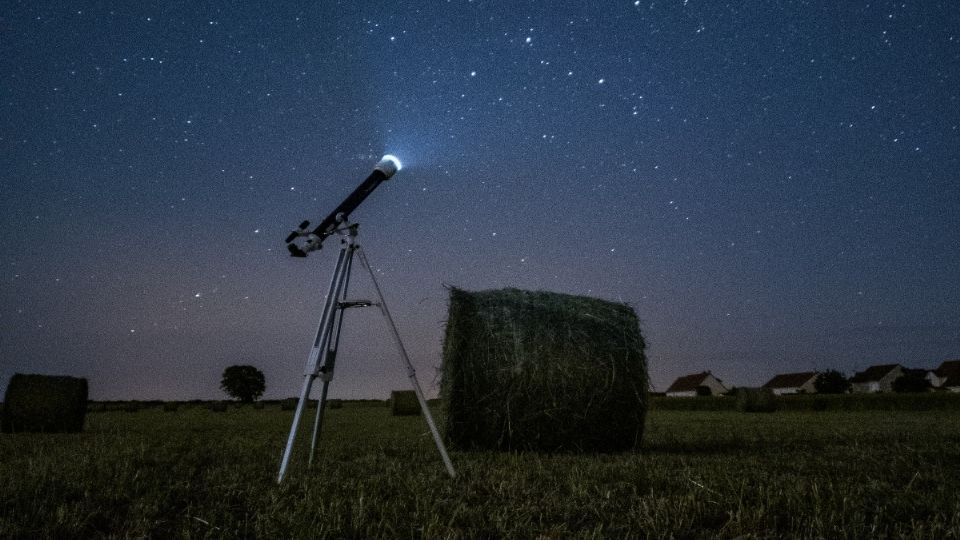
(404, 403)
(43, 403)
(753, 400)
(542, 371)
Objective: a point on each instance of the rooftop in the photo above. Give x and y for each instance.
(790, 380)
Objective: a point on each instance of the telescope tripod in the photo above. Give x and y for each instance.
(323, 355)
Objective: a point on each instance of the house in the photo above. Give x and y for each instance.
(876, 378)
(687, 385)
(948, 375)
(793, 383)
(917, 377)
(936, 381)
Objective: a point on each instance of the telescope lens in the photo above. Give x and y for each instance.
(395, 160)
(388, 165)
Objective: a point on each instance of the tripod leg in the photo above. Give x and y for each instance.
(411, 372)
(318, 421)
(288, 451)
(320, 345)
(330, 358)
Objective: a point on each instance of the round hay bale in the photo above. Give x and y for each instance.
(44, 403)
(756, 400)
(542, 371)
(404, 403)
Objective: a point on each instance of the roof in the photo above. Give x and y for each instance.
(688, 383)
(790, 380)
(949, 369)
(873, 373)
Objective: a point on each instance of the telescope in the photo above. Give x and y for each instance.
(321, 361)
(385, 168)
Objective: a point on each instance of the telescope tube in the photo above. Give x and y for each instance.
(385, 168)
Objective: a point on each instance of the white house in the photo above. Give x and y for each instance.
(687, 385)
(876, 378)
(793, 383)
(936, 381)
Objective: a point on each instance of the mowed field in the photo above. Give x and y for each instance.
(198, 473)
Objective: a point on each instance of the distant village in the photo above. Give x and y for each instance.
(874, 379)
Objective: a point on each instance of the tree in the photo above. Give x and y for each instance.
(245, 383)
(832, 382)
(912, 380)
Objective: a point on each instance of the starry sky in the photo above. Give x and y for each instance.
(772, 185)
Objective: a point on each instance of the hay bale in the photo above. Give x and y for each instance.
(43, 403)
(756, 400)
(529, 370)
(404, 403)
(288, 404)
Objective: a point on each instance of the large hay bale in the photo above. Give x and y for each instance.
(529, 370)
(756, 400)
(43, 403)
(404, 403)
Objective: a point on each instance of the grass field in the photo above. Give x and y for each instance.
(198, 473)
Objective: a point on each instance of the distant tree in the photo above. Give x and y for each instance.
(832, 382)
(704, 390)
(912, 380)
(245, 383)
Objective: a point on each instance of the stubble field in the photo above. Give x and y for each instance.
(198, 473)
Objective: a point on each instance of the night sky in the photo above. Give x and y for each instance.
(773, 186)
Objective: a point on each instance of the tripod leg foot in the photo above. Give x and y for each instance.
(301, 405)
